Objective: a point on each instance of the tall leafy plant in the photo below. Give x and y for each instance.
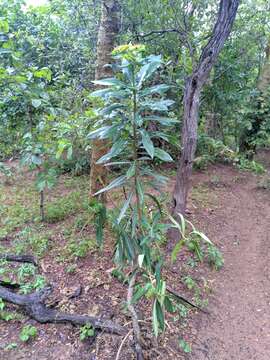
(132, 101)
(131, 104)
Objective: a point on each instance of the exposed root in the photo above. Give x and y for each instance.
(35, 307)
(19, 258)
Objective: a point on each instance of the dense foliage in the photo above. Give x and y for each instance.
(48, 55)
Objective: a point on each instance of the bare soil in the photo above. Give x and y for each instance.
(238, 327)
(228, 206)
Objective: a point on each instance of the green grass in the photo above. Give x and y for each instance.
(67, 213)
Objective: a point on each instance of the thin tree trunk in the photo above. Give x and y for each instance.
(264, 79)
(193, 87)
(42, 213)
(108, 30)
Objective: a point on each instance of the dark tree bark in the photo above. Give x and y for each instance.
(193, 87)
(34, 305)
(108, 30)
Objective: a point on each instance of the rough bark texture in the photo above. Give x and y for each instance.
(108, 30)
(193, 87)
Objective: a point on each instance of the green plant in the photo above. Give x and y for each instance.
(130, 107)
(28, 332)
(215, 257)
(190, 283)
(86, 331)
(185, 346)
(37, 156)
(250, 165)
(11, 346)
(80, 247)
(71, 269)
(25, 271)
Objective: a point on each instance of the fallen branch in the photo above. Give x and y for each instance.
(19, 258)
(35, 307)
(122, 344)
(181, 298)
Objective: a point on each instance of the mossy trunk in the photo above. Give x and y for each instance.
(108, 30)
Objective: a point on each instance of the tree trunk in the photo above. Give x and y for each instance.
(108, 30)
(193, 87)
(264, 79)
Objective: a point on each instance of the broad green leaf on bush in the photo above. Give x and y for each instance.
(125, 207)
(116, 149)
(147, 143)
(177, 249)
(103, 132)
(116, 106)
(156, 89)
(36, 103)
(162, 155)
(109, 82)
(115, 183)
(44, 73)
(148, 69)
(157, 105)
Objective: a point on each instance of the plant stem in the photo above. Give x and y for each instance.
(42, 214)
(135, 321)
(135, 157)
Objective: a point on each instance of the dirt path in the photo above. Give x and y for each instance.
(239, 325)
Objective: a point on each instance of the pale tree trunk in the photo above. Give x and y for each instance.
(108, 30)
(193, 87)
(264, 79)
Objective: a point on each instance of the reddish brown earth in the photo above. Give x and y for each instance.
(228, 206)
(239, 325)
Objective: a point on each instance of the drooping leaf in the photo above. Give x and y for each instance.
(157, 105)
(125, 207)
(101, 133)
(116, 149)
(109, 82)
(156, 89)
(148, 69)
(147, 143)
(115, 183)
(162, 155)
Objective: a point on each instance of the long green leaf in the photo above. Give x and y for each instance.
(162, 155)
(147, 143)
(115, 183)
(116, 149)
(125, 207)
(162, 120)
(160, 105)
(109, 82)
(156, 89)
(148, 69)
